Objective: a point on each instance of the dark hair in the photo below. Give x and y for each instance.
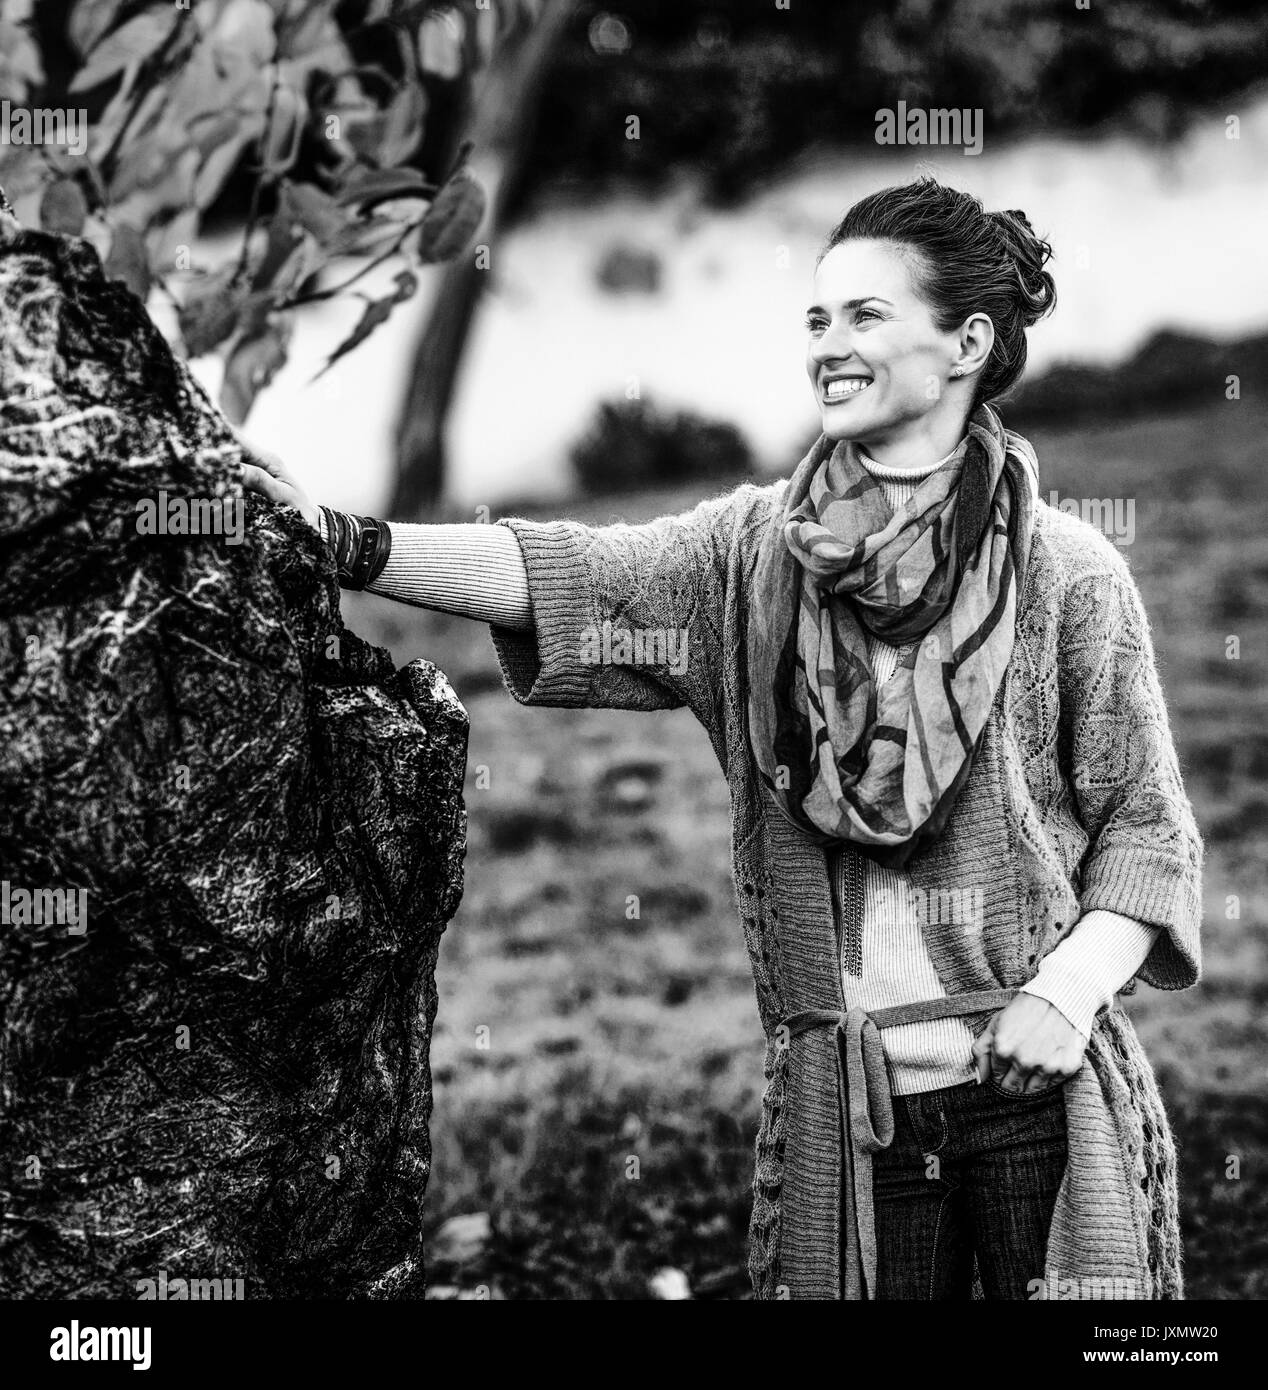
(972, 261)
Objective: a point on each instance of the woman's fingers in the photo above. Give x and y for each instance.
(1040, 1080)
(982, 1046)
(270, 463)
(260, 465)
(258, 480)
(266, 474)
(1014, 1079)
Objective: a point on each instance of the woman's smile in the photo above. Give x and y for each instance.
(836, 388)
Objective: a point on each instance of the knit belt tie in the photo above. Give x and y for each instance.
(867, 1109)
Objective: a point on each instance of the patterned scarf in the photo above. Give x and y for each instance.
(841, 759)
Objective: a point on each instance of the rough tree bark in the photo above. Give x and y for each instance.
(226, 1074)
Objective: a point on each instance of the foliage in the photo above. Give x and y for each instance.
(632, 445)
(734, 92)
(324, 116)
(21, 67)
(1170, 370)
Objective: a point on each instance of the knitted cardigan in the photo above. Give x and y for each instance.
(1075, 801)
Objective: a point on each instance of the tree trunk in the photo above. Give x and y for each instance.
(505, 107)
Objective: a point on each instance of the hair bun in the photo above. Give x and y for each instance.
(1029, 253)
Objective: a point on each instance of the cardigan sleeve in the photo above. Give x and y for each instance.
(1145, 853)
(624, 616)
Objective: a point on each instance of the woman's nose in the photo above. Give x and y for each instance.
(834, 344)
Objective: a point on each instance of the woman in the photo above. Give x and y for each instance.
(959, 826)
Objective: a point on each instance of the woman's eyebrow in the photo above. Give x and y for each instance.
(853, 303)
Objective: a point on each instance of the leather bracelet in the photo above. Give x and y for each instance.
(361, 546)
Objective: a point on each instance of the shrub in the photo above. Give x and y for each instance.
(631, 445)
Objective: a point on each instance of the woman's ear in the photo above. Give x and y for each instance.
(977, 338)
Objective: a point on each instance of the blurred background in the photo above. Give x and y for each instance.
(620, 335)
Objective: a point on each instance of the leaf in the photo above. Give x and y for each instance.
(128, 260)
(252, 365)
(164, 240)
(63, 208)
(403, 126)
(21, 66)
(23, 171)
(285, 130)
(406, 283)
(107, 126)
(143, 164)
(212, 129)
(309, 31)
(363, 130)
(440, 44)
(256, 313)
(366, 237)
(222, 161)
(243, 34)
(137, 40)
(451, 221)
(172, 190)
(306, 221)
(201, 90)
(89, 20)
(369, 186)
(305, 260)
(314, 209)
(377, 312)
(210, 311)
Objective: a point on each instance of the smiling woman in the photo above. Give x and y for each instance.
(958, 821)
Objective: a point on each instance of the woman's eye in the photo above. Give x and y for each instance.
(816, 323)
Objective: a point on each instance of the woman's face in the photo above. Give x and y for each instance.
(878, 363)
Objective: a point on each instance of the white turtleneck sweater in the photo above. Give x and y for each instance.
(477, 571)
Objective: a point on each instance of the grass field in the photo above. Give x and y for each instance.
(598, 1078)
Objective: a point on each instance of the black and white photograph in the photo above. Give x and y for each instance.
(634, 648)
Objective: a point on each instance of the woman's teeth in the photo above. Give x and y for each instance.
(846, 386)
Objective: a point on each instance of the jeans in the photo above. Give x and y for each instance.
(972, 1171)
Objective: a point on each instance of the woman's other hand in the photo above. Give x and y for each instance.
(1029, 1046)
(267, 474)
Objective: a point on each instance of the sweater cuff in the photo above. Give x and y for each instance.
(543, 667)
(1081, 975)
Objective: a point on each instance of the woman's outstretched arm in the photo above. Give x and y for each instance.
(617, 616)
(469, 569)
(472, 570)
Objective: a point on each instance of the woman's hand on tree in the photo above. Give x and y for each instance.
(1029, 1046)
(268, 475)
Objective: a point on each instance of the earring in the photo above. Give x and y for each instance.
(957, 371)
